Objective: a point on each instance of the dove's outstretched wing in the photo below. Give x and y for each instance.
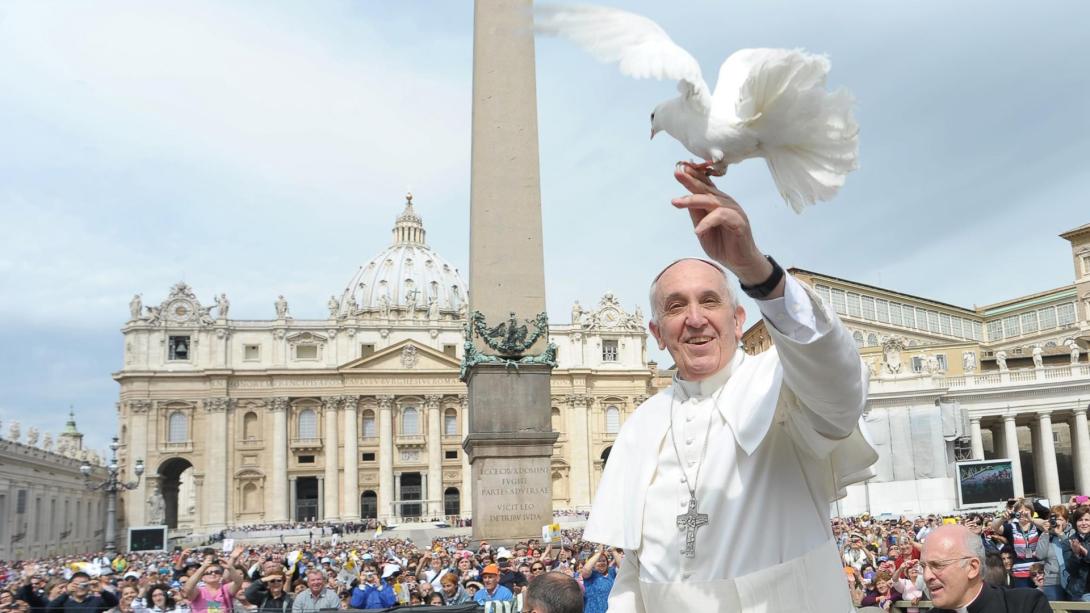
(807, 134)
(639, 47)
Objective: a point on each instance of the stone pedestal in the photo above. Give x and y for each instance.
(509, 448)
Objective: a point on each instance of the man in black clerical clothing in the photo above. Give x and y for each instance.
(953, 560)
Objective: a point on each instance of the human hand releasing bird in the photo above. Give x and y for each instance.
(768, 103)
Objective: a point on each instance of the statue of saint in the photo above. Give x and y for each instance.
(14, 432)
(223, 305)
(334, 306)
(32, 436)
(577, 314)
(1074, 354)
(1038, 357)
(968, 362)
(433, 308)
(410, 302)
(156, 507)
(47, 442)
(384, 305)
(1001, 360)
(136, 307)
(281, 307)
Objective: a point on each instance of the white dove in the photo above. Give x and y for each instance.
(769, 103)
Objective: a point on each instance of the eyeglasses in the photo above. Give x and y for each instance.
(937, 566)
(213, 572)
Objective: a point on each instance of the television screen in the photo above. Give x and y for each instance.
(984, 482)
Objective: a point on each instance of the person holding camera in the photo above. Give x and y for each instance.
(83, 595)
(372, 592)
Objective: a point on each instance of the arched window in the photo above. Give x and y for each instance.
(556, 419)
(177, 428)
(369, 505)
(410, 421)
(249, 426)
(613, 419)
(450, 422)
(452, 501)
(858, 336)
(250, 500)
(308, 424)
(369, 430)
(872, 340)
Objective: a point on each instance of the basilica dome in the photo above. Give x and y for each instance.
(405, 278)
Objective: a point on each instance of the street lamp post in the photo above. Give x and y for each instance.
(112, 485)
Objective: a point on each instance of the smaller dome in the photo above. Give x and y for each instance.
(405, 276)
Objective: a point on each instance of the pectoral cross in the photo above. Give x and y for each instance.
(689, 521)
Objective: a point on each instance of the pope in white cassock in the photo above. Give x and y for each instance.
(718, 488)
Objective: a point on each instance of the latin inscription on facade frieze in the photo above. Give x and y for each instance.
(307, 382)
(249, 384)
(407, 381)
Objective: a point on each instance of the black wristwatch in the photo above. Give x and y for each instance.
(763, 289)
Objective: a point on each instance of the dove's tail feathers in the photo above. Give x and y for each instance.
(807, 134)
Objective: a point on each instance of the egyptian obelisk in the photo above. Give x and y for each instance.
(510, 438)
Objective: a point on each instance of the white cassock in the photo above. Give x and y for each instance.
(784, 438)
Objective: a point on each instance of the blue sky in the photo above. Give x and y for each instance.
(259, 148)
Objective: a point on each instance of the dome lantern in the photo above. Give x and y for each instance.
(409, 229)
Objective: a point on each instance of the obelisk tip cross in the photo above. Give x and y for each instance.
(689, 521)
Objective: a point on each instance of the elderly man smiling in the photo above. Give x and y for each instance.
(738, 443)
(953, 561)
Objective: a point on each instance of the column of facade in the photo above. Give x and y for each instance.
(998, 444)
(1080, 448)
(280, 502)
(581, 462)
(1010, 450)
(329, 456)
(466, 495)
(216, 462)
(321, 499)
(435, 456)
(291, 499)
(385, 455)
(138, 450)
(1050, 472)
(1035, 447)
(976, 439)
(351, 504)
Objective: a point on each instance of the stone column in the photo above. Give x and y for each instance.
(582, 464)
(291, 499)
(435, 456)
(1050, 473)
(1035, 446)
(467, 472)
(976, 439)
(1010, 451)
(1080, 446)
(321, 499)
(329, 456)
(385, 455)
(351, 504)
(998, 445)
(280, 502)
(136, 513)
(215, 460)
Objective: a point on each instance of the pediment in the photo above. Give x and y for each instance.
(407, 355)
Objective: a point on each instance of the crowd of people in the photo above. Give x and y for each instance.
(331, 573)
(1025, 545)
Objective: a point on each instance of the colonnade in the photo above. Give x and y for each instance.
(1004, 429)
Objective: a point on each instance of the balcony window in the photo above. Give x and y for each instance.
(450, 422)
(410, 421)
(609, 351)
(613, 420)
(308, 424)
(177, 428)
